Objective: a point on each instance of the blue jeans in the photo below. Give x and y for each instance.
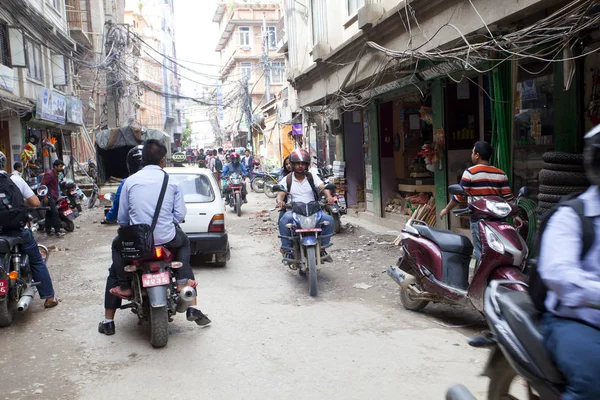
(476, 239)
(39, 271)
(575, 348)
(285, 231)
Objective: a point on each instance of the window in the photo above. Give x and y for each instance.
(4, 49)
(271, 37)
(34, 60)
(277, 71)
(59, 71)
(246, 71)
(244, 32)
(319, 27)
(354, 5)
(195, 188)
(56, 4)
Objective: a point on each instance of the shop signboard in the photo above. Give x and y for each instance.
(7, 79)
(75, 110)
(227, 146)
(51, 106)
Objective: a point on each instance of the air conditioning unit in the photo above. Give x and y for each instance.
(369, 14)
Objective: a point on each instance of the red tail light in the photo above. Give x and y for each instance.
(62, 203)
(159, 252)
(217, 223)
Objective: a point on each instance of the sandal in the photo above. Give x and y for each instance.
(116, 291)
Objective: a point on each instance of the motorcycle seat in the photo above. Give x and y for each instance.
(524, 319)
(446, 240)
(8, 242)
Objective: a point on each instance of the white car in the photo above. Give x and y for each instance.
(205, 219)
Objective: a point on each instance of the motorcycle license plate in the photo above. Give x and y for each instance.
(67, 212)
(308, 230)
(3, 287)
(159, 279)
(73, 191)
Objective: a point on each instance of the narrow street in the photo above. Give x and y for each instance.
(268, 338)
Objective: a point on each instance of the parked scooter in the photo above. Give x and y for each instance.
(67, 212)
(233, 192)
(155, 297)
(69, 188)
(517, 347)
(306, 243)
(434, 263)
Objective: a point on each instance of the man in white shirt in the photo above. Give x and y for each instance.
(303, 188)
(18, 169)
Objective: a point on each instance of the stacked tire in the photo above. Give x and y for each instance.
(562, 175)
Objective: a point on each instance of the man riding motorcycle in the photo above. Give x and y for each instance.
(303, 187)
(235, 166)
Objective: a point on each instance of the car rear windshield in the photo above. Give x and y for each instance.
(196, 188)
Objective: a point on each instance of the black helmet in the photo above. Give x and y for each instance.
(591, 156)
(134, 159)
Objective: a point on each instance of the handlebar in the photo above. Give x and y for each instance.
(462, 211)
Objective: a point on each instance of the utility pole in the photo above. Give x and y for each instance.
(265, 59)
(247, 106)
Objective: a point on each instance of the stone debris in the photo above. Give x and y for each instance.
(362, 286)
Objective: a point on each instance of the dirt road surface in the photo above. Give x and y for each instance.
(268, 339)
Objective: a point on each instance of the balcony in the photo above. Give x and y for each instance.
(78, 19)
(281, 36)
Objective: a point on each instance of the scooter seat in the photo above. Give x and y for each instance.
(446, 240)
(524, 319)
(8, 242)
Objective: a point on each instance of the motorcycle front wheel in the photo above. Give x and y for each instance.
(238, 204)
(159, 330)
(311, 258)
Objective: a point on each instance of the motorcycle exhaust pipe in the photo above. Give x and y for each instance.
(402, 278)
(185, 299)
(26, 298)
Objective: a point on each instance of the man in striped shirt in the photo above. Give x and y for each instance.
(482, 180)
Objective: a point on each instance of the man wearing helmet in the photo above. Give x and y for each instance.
(571, 323)
(39, 270)
(236, 166)
(303, 187)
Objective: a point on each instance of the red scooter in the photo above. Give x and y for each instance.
(434, 263)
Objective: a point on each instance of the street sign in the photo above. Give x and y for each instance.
(179, 157)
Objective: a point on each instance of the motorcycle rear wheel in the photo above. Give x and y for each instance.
(69, 225)
(93, 199)
(337, 223)
(238, 204)
(409, 303)
(258, 184)
(311, 256)
(7, 312)
(159, 330)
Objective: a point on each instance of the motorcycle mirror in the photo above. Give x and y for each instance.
(108, 196)
(524, 191)
(42, 190)
(456, 189)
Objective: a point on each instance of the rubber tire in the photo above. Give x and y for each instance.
(563, 167)
(238, 204)
(257, 184)
(562, 190)
(549, 198)
(68, 225)
(557, 178)
(311, 256)
(557, 157)
(501, 377)
(222, 264)
(409, 303)
(93, 199)
(269, 189)
(159, 326)
(545, 205)
(8, 309)
(541, 211)
(337, 223)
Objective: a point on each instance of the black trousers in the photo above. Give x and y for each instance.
(180, 245)
(52, 218)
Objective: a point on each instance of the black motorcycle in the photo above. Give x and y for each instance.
(70, 189)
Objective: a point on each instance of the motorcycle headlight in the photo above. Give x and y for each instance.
(500, 209)
(307, 222)
(494, 241)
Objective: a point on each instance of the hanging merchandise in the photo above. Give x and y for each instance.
(426, 115)
(536, 124)
(431, 156)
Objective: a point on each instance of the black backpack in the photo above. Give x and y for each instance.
(537, 288)
(218, 164)
(311, 181)
(13, 213)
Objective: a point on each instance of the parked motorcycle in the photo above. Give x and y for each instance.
(69, 188)
(67, 212)
(517, 346)
(434, 263)
(233, 192)
(155, 297)
(270, 180)
(257, 183)
(336, 213)
(17, 287)
(37, 218)
(306, 244)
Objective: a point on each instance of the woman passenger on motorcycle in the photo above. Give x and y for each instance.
(286, 168)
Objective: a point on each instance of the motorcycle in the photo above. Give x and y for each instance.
(233, 192)
(37, 218)
(67, 212)
(70, 189)
(306, 246)
(17, 287)
(434, 263)
(270, 180)
(257, 183)
(336, 213)
(517, 347)
(155, 297)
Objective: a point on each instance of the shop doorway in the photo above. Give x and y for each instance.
(355, 166)
(386, 152)
(5, 144)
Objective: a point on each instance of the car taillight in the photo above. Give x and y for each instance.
(217, 223)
